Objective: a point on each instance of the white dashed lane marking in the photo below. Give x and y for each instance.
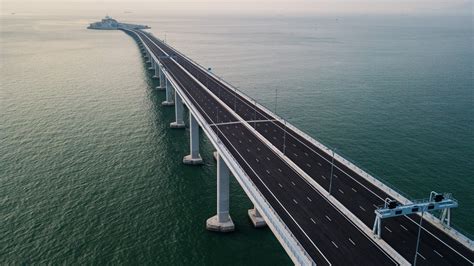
(329, 219)
(350, 240)
(362, 208)
(421, 256)
(404, 228)
(334, 244)
(342, 192)
(280, 185)
(293, 183)
(295, 201)
(388, 229)
(314, 222)
(309, 199)
(353, 189)
(434, 250)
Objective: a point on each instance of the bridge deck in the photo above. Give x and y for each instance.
(327, 234)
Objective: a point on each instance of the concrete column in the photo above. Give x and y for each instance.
(221, 222)
(162, 78)
(148, 57)
(169, 94)
(157, 70)
(178, 111)
(256, 218)
(194, 157)
(152, 64)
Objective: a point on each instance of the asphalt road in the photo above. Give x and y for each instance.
(327, 235)
(353, 191)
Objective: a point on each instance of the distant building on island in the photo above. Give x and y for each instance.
(109, 23)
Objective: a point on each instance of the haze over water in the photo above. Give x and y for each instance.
(91, 173)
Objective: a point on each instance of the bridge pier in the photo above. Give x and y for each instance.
(194, 157)
(162, 78)
(169, 95)
(152, 64)
(178, 111)
(157, 71)
(147, 57)
(221, 222)
(256, 218)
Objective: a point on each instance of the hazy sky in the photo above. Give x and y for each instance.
(269, 7)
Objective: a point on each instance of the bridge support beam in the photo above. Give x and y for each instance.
(178, 111)
(162, 78)
(194, 157)
(256, 218)
(169, 94)
(221, 222)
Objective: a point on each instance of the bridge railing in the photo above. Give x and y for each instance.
(382, 183)
(281, 230)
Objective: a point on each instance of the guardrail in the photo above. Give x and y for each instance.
(289, 242)
(384, 185)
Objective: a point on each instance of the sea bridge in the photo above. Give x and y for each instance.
(321, 207)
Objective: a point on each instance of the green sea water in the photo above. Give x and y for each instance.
(91, 173)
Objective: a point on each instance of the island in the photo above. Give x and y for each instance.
(109, 23)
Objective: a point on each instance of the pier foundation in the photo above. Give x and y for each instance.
(194, 157)
(178, 111)
(256, 218)
(221, 222)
